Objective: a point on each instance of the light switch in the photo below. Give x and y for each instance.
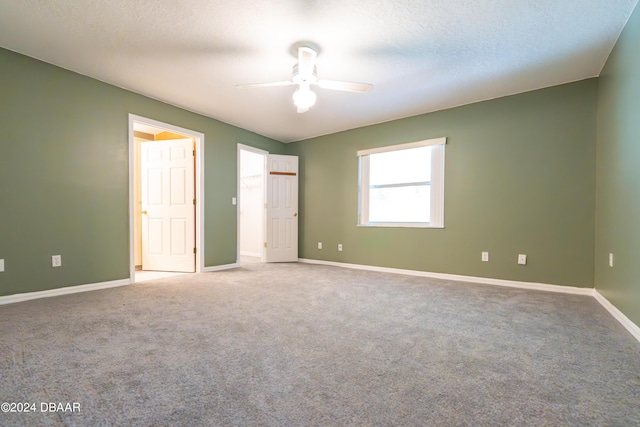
(1, 265)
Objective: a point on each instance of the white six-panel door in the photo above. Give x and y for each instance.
(282, 209)
(168, 210)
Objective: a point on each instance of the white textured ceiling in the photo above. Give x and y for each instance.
(420, 55)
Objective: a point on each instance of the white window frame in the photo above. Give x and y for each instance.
(437, 184)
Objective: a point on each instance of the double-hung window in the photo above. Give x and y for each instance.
(402, 185)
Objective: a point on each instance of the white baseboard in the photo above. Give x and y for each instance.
(619, 316)
(10, 299)
(220, 267)
(460, 278)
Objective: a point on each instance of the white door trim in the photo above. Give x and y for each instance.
(238, 192)
(199, 189)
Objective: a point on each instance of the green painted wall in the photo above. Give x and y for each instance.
(618, 174)
(519, 178)
(64, 176)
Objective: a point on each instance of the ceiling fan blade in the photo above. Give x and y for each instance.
(346, 86)
(288, 83)
(306, 61)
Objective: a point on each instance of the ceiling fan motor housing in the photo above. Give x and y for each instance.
(310, 79)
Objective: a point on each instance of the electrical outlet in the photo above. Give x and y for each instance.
(522, 259)
(610, 260)
(319, 245)
(339, 247)
(485, 256)
(56, 260)
(234, 201)
(1, 265)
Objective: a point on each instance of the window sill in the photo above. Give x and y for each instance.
(399, 225)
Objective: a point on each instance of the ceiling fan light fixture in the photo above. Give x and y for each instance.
(305, 75)
(304, 97)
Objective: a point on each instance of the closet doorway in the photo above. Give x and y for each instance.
(251, 204)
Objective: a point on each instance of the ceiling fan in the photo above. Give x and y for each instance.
(305, 75)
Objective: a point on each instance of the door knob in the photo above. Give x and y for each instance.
(295, 214)
(144, 212)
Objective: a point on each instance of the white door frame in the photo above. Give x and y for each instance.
(199, 188)
(242, 147)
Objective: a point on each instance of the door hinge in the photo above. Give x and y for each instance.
(265, 206)
(194, 201)
(194, 153)
(194, 250)
(265, 244)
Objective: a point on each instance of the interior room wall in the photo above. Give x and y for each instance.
(65, 174)
(165, 135)
(519, 179)
(618, 174)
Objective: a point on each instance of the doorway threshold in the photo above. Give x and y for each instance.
(144, 276)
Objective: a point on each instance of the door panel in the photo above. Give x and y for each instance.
(282, 208)
(154, 236)
(168, 191)
(178, 237)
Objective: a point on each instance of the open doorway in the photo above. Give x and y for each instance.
(251, 204)
(165, 199)
(267, 206)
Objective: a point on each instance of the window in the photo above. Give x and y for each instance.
(402, 185)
